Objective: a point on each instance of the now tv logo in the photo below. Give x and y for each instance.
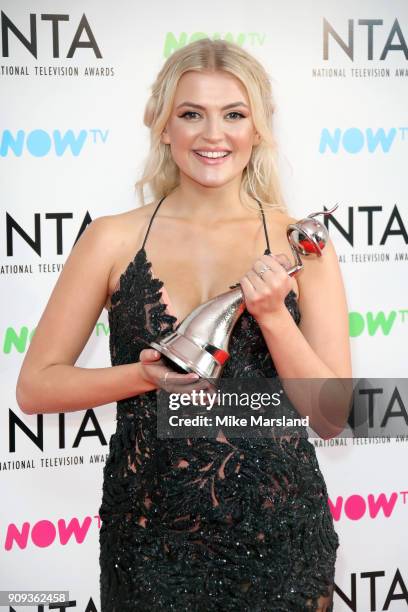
(355, 507)
(353, 140)
(44, 533)
(40, 143)
(375, 321)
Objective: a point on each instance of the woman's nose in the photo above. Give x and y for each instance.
(213, 129)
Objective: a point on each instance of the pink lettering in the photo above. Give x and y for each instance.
(73, 527)
(382, 503)
(336, 509)
(355, 506)
(44, 532)
(19, 537)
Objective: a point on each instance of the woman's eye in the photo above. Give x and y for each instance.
(188, 114)
(240, 115)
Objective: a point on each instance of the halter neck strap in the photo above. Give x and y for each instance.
(268, 248)
(151, 221)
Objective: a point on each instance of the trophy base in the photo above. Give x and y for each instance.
(188, 356)
(173, 365)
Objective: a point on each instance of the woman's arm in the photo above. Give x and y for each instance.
(49, 381)
(319, 348)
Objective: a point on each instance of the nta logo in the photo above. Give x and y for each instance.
(31, 42)
(394, 41)
(364, 594)
(19, 430)
(370, 224)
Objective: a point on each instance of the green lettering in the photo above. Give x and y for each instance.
(380, 320)
(171, 43)
(18, 341)
(105, 328)
(356, 324)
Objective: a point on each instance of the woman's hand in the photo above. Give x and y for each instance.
(265, 295)
(157, 373)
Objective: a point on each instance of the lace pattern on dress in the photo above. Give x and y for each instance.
(203, 525)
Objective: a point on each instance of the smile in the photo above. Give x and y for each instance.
(212, 157)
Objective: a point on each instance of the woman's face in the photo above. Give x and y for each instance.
(210, 130)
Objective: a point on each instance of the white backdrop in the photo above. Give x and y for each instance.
(75, 143)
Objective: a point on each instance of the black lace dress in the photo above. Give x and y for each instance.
(198, 525)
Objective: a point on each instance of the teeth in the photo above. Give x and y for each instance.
(213, 153)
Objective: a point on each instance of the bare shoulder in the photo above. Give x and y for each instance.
(117, 236)
(118, 229)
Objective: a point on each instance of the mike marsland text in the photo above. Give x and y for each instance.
(233, 421)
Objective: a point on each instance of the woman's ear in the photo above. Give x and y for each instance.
(165, 137)
(257, 139)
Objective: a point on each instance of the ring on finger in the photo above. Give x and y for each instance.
(261, 272)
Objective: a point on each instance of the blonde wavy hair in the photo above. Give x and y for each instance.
(260, 177)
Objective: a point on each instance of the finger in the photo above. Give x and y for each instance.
(278, 270)
(272, 261)
(284, 260)
(149, 355)
(279, 265)
(272, 264)
(174, 377)
(257, 281)
(247, 287)
(261, 268)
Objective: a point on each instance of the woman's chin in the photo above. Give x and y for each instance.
(209, 181)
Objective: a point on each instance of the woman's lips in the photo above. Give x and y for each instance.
(211, 160)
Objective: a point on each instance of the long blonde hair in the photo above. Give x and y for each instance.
(260, 177)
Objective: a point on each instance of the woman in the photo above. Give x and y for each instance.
(200, 524)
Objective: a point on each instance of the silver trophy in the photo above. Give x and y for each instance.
(200, 342)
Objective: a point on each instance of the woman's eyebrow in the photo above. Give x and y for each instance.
(232, 105)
